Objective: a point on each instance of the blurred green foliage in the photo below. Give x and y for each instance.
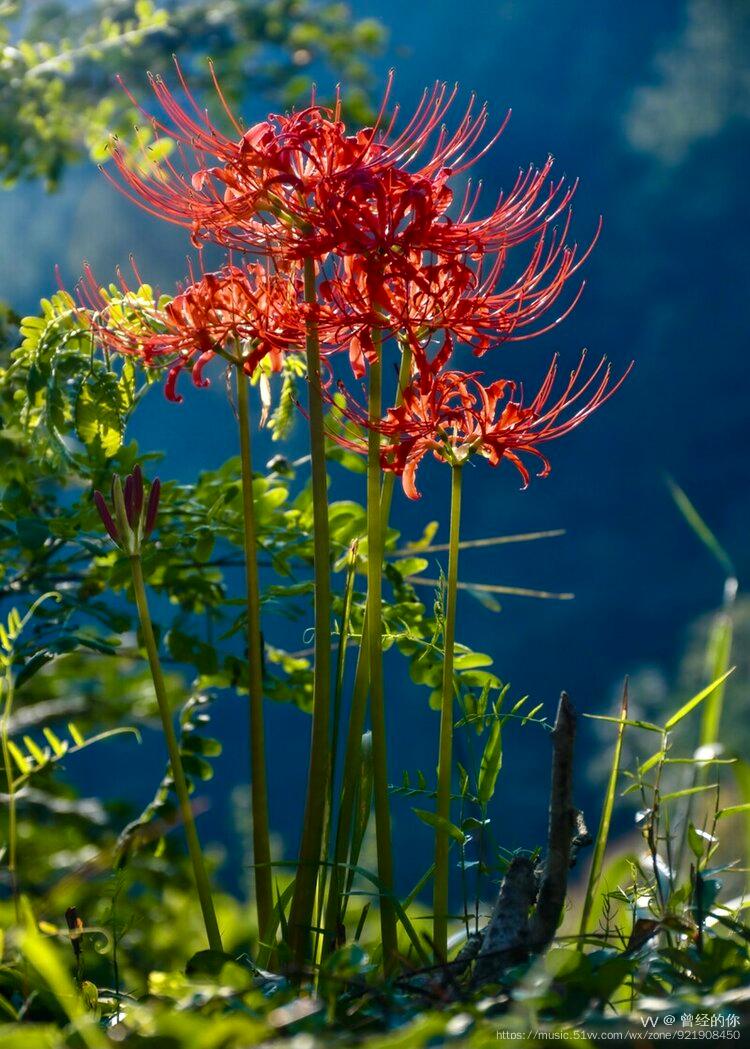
(57, 61)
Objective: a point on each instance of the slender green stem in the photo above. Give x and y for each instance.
(8, 688)
(338, 691)
(375, 652)
(445, 759)
(303, 901)
(259, 778)
(336, 905)
(202, 883)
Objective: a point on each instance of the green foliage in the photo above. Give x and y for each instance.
(57, 60)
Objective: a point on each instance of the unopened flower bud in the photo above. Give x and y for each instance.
(129, 521)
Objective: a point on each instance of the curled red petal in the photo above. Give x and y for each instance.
(200, 364)
(170, 391)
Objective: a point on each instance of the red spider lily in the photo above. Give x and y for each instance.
(455, 416)
(248, 307)
(254, 189)
(299, 186)
(449, 300)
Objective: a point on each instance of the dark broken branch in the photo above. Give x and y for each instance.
(506, 936)
(517, 928)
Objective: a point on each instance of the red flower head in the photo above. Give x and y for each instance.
(455, 416)
(455, 299)
(246, 310)
(299, 186)
(253, 190)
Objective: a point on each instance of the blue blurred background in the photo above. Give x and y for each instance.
(648, 104)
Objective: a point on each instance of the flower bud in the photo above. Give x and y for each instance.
(132, 517)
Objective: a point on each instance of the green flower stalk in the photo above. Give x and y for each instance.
(375, 653)
(259, 778)
(129, 527)
(311, 845)
(336, 904)
(445, 751)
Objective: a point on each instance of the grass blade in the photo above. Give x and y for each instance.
(700, 528)
(697, 698)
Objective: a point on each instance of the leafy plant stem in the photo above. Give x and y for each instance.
(303, 902)
(259, 789)
(445, 754)
(202, 883)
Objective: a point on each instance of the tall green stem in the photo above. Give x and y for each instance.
(375, 650)
(445, 759)
(303, 902)
(336, 906)
(202, 883)
(259, 779)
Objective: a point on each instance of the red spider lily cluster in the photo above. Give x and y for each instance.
(240, 306)
(398, 255)
(454, 415)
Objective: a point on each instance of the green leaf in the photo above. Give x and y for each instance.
(410, 566)
(698, 698)
(675, 794)
(648, 725)
(700, 528)
(196, 766)
(58, 748)
(24, 766)
(471, 661)
(492, 759)
(649, 763)
(733, 810)
(438, 823)
(98, 420)
(429, 533)
(695, 841)
(35, 750)
(75, 735)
